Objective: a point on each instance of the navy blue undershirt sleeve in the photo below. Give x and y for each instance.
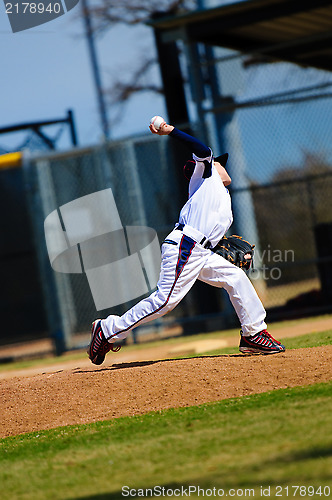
(193, 144)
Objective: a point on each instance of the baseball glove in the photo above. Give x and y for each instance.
(236, 250)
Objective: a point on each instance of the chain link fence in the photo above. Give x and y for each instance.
(140, 174)
(294, 221)
(281, 166)
(279, 119)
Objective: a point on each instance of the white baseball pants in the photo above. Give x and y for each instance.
(183, 262)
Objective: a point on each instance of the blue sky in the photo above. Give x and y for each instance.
(46, 70)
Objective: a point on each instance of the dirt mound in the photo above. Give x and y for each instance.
(87, 393)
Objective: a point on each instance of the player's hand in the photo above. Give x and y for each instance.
(164, 129)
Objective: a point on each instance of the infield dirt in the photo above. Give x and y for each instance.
(84, 393)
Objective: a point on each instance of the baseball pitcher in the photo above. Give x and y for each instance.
(189, 253)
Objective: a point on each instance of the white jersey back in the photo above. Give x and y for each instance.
(208, 208)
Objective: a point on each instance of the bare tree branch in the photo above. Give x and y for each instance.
(109, 12)
(121, 90)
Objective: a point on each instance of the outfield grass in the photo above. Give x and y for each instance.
(281, 438)
(308, 340)
(315, 339)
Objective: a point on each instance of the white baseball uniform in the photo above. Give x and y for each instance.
(186, 257)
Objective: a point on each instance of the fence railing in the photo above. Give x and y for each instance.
(290, 214)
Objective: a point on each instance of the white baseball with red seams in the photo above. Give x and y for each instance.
(156, 121)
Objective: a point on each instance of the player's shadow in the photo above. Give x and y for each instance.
(134, 364)
(137, 364)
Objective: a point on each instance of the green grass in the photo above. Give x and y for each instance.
(309, 340)
(281, 438)
(43, 361)
(302, 341)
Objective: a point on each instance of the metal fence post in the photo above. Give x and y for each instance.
(47, 275)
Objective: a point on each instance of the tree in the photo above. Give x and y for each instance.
(106, 14)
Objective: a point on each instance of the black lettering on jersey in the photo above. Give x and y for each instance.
(207, 169)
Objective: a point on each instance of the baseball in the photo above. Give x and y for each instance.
(157, 121)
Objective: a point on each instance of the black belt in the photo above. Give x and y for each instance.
(204, 241)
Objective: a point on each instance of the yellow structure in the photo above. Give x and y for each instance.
(11, 160)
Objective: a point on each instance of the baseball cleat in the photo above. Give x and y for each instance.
(260, 343)
(99, 346)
